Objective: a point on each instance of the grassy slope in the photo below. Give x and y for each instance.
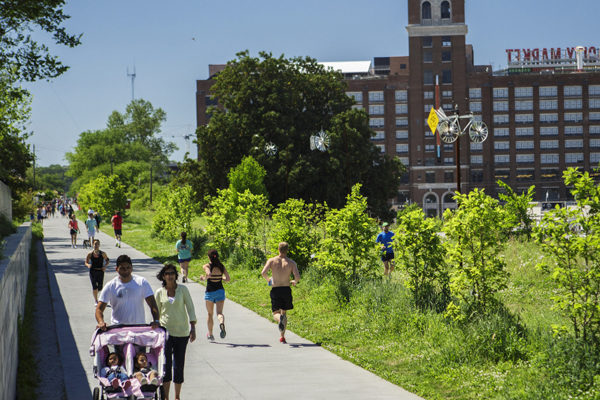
(381, 332)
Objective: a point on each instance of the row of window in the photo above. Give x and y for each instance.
(426, 10)
(497, 132)
(527, 105)
(545, 117)
(550, 158)
(544, 91)
(521, 174)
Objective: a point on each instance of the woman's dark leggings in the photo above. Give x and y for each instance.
(175, 358)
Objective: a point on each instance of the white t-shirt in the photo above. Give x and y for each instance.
(127, 299)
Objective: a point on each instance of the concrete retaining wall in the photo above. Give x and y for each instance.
(14, 272)
(5, 201)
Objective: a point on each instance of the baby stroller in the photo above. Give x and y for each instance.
(128, 340)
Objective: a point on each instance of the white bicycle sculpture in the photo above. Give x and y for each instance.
(449, 127)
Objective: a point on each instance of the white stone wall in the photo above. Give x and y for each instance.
(5, 201)
(14, 272)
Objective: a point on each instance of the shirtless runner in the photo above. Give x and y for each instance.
(281, 294)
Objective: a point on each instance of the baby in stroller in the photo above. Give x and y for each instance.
(115, 372)
(137, 348)
(143, 370)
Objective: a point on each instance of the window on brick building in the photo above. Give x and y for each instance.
(447, 76)
(426, 10)
(430, 177)
(445, 10)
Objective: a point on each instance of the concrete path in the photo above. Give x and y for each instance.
(249, 364)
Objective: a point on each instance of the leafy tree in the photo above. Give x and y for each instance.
(105, 194)
(14, 115)
(128, 137)
(19, 50)
(194, 173)
(221, 215)
(518, 206)
(50, 178)
(284, 102)
(249, 174)
(476, 233)
(295, 222)
(174, 212)
(420, 253)
(348, 248)
(572, 236)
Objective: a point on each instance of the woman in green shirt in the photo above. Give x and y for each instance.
(177, 314)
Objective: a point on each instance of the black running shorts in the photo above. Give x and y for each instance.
(281, 298)
(97, 278)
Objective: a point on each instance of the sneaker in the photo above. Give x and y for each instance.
(282, 322)
(126, 385)
(114, 383)
(184, 279)
(154, 382)
(210, 337)
(282, 340)
(144, 381)
(75, 246)
(223, 333)
(117, 244)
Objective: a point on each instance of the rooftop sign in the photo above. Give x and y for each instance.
(551, 55)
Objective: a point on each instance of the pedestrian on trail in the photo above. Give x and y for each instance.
(387, 250)
(96, 261)
(117, 224)
(91, 226)
(214, 275)
(126, 294)
(98, 219)
(177, 314)
(184, 248)
(73, 230)
(281, 267)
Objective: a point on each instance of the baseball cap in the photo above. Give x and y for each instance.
(385, 224)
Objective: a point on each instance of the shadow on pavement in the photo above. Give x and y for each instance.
(300, 345)
(77, 384)
(233, 345)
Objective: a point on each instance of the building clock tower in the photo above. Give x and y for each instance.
(436, 35)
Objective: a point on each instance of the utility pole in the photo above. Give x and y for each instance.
(150, 182)
(457, 153)
(34, 167)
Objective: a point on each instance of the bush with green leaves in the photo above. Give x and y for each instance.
(105, 194)
(236, 219)
(572, 236)
(174, 212)
(518, 207)
(295, 222)
(249, 174)
(476, 233)
(348, 249)
(420, 253)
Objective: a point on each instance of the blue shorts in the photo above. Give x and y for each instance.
(180, 260)
(216, 296)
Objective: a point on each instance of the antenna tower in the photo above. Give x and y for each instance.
(132, 76)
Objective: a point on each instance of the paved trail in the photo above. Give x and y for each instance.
(249, 364)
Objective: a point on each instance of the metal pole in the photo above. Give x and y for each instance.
(150, 184)
(457, 154)
(34, 167)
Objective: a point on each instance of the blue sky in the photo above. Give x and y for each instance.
(171, 44)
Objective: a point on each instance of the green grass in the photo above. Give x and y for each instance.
(511, 354)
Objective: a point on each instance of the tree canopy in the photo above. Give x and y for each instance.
(127, 145)
(14, 114)
(284, 102)
(18, 50)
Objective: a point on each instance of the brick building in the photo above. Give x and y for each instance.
(542, 112)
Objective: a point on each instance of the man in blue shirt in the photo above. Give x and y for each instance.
(387, 251)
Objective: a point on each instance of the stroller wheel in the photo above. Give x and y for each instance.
(96, 393)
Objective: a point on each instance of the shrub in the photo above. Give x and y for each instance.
(105, 194)
(174, 212)
(348, 249)
(420, 253)
(476, 233)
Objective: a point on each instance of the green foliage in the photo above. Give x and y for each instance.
(237, 219)
(105, 194)
(14, 114)
(348, 249)
(249, 174)
(518, 206)
(18, 19)
(284, 101)
(195, 174)
(572, 236)
(174, 212)
(50, 179)
(295, 222)
(476, 233)
(128, 139)
(22, 204)
(420, 253)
